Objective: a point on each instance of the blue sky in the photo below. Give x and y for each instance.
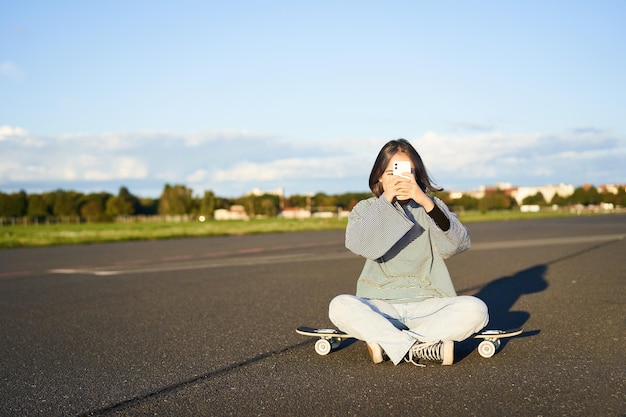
(231, 96)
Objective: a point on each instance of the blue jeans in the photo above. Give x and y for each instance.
(396, 327)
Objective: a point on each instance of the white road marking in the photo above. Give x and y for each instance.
(204, 263)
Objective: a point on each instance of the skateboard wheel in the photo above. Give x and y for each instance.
(323, 347)
(487, 348)
(335, 343)
(497, 343)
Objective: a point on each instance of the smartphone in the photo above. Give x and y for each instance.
(401, 167)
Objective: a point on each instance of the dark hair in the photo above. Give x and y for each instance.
(382, 161)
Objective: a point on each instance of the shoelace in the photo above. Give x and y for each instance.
(428, 351)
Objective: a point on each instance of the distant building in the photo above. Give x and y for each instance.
(235, 212)
(295, 213)
(548, 192)
(518, 193)
(257, 192)
(610, 188)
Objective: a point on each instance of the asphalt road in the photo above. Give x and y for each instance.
(205, 327)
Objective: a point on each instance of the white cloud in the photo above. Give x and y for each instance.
(233, 135)
(7, 132)
(518, 158)
(69, 174)
(11, 70)
(130, 168)
(93, 168)
(198, 176)
(274, 170)
(110, 141)
(233, 162)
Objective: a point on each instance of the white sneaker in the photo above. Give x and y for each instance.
(441, 351)
(376, 352)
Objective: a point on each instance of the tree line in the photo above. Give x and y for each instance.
(501, 200)
(177, 200)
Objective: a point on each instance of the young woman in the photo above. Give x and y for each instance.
(405, 305)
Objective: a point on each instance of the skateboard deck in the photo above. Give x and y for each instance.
(491, 340)
(330, 339)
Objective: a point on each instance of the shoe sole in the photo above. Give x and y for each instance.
(448, 352)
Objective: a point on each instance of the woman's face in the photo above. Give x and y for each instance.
(390, 182)
(398, 156)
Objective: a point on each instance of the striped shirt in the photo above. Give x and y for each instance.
(404, 250)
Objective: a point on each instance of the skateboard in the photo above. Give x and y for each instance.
(330, 339)
(491, 340)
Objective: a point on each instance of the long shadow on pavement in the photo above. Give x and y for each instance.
(501, 295)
